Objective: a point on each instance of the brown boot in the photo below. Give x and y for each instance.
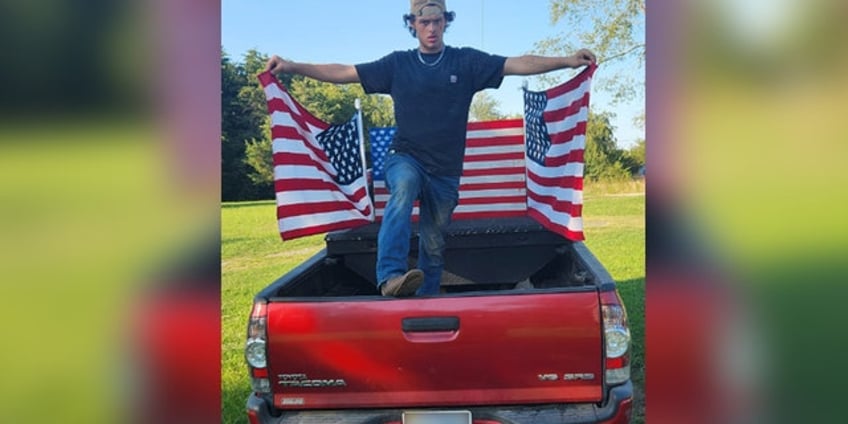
(403, 285)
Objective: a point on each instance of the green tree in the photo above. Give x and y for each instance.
(636, 156)
(252, 95)
(604, 161)
(484, 107)
(615, 32)
(232, 126)
(258, 155)
(243, 115)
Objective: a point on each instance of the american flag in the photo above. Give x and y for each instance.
(319, 176)
(492, 182)
(555, 126)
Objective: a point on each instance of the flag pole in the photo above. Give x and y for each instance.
(358, 104)
(524, 86)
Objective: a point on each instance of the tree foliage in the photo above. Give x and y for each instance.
(637, 154)
(615, 33)
(484, 107)
(257, 155)
(335, 103)
(604, 161)
(238, 123)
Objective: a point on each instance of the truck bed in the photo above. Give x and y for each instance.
(518, 322)
(490, 255)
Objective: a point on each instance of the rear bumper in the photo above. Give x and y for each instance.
(616, 410)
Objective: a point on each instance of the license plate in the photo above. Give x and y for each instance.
(437, 417)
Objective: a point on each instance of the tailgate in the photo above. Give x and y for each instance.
(492, 349)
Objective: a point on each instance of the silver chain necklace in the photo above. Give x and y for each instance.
(438, 59)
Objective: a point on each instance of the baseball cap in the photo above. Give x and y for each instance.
(427, 7)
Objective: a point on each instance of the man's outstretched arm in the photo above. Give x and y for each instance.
(532, 65)
(335, 73)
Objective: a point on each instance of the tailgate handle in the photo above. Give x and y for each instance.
(418, 325)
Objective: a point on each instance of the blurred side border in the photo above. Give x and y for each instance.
(110, 158)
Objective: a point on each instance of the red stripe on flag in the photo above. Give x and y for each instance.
(285, 184)
(286, 158)
(500, 124)
(291, 133)
(571, 182)
(313, 208)
(573, 83)
(566, 136)
(492, 186)
(505, 140)
(572, 109)
(495, 156)
(574, 156)
(492, 200)
(318, 229)
(564, 206)
(301, 117)
(498, 171)
(267, 78)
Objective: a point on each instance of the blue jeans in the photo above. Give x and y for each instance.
(407, 181)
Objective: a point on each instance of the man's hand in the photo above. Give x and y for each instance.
(534, 65)
(334, 73)
(276, 65)
(583, 57)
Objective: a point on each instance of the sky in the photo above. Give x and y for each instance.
(334, 31)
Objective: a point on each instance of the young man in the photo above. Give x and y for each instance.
(431, 87)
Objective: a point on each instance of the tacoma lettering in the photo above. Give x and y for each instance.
(330, 382)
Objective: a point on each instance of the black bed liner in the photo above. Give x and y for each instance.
(491, 251)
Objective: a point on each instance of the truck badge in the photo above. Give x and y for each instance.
(301, 380)
(584, 376)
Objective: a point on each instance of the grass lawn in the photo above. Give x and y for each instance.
(615, 232)
(252, 256)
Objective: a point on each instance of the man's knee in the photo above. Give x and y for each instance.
(404, 186)
(403, 195)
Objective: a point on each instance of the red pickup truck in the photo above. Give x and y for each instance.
(529, 328)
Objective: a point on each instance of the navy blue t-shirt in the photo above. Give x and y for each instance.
(432, 101)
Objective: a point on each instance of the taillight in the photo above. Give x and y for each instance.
(616, 339)
(255, 350)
